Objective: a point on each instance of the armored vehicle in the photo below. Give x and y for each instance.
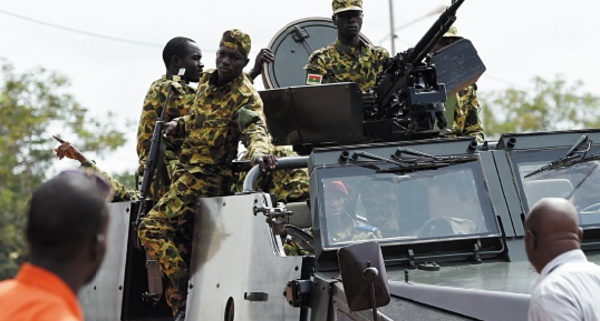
(448, 216)
(400, 225)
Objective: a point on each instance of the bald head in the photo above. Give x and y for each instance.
(552, 228)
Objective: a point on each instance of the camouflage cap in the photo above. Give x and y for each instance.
(235, 39)
(346, 5)
(452, 33)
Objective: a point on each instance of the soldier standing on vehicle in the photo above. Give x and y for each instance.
(226, 108)
(179, 52)
(568, 285)
(463, 105)
(348, 59)
(66, 231)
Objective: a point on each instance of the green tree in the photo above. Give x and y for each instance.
(551, 105)
(34, 105)
(126, 178)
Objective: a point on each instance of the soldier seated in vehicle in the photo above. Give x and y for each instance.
(382, 208)
(451, 212)
(342, 225)
(340, 222)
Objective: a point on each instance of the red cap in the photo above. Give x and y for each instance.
(339, 187)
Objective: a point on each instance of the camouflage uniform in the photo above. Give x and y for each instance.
(291, 247)
(357, 231)
(220, 116)
(342, 227)
(341, 63)
(467, 113)
(288, 185)
(182, 97)
(122, 193)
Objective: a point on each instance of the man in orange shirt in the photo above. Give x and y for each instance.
(66, 232)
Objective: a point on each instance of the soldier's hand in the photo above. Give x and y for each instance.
(265, 162)
(264, 56)
(170, 129)
(67, 150)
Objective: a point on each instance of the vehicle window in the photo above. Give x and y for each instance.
(578, 182)
(361, 204)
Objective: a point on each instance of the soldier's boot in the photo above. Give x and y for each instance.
(177, 296)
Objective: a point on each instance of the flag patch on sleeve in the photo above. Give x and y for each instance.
(314, 79)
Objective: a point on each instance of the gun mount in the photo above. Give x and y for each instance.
(412, 88)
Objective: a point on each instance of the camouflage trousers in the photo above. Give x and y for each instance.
(166, 232)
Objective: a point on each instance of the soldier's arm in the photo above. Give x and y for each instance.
(316, 73)
(122, 193)
(252, 125)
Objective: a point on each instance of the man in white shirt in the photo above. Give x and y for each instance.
(569, 286)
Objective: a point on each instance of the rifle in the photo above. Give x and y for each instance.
(408, 91)
(152, 160)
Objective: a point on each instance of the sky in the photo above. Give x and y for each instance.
(116, 51)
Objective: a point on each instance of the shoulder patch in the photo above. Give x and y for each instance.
(314, 79)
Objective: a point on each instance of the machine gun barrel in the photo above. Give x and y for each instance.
(435, 33)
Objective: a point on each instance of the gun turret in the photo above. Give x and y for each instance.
(408, 91)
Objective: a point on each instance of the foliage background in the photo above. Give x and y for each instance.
(551, 105)
(33, 106)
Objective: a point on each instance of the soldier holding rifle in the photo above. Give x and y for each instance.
(226, 108)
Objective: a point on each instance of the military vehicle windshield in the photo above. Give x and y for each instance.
(363, 203)
(578, 182)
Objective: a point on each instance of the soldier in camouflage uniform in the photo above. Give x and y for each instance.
(467, 114)
(226, 108)
(463, 107)
(179, 52)
(342, 226)
(122, 193)
(286, 185)
(348, 59)
(382, 209)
